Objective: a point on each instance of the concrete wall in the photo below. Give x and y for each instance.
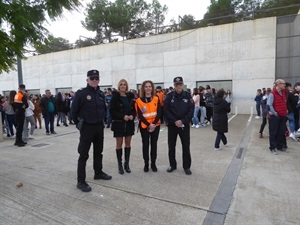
(243, 52)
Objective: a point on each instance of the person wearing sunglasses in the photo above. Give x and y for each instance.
(179, 110)
(88, 109)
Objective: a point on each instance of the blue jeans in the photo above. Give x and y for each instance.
(203, 114)
(195, 118)
(258, 108)
(49, 120)
(108, 117)
(11, 123)
(291, 120)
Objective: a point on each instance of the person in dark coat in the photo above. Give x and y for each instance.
(220, 121)
(122, 114)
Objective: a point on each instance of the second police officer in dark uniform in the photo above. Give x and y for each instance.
(88, 109)
(178, 111)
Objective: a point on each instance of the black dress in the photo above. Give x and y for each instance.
(119, 107)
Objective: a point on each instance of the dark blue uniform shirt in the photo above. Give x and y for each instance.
(89, 105)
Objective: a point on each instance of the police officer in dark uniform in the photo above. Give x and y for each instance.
(20, 104)
(88, 110)
(178, 111)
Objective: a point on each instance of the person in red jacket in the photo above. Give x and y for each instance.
(277, 112)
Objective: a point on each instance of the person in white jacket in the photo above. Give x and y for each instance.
(29, 118)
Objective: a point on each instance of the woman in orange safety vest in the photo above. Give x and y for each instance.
(148, 110)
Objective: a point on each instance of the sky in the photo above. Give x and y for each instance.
(69, 26)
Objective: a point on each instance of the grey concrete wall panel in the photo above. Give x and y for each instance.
(126, 62)
(155, 74)
(180, 57)
(214, 71)
(150, 60)
(223, 34)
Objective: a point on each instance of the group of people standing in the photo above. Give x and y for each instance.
(150, 107)
(89, 109)
(23, 112)
(279, 105)
(19, 112)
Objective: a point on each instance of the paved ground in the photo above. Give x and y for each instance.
(243, 184)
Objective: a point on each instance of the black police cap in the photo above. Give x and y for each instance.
(93, 73)
(178, 80)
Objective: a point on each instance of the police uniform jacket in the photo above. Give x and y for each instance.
(118, 111)
(89, 105)
(178, 107)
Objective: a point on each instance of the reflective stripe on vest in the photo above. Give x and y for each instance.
(149, 110)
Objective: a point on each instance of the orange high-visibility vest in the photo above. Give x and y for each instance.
(148, 109)
(19, 97)
(161, 95)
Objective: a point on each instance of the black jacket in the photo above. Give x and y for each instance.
(118, 111)
(220, 119)
(178, 107)
(89, 105)
(44, 105)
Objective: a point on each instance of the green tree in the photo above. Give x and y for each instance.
(123, 18)
(21, 23)
(53, 44)
(271, 8)
(84, 43)
(220, 12)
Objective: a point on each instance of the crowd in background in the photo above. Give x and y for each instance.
(291, 95)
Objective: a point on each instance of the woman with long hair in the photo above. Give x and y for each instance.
(122, 115)
(149, 112)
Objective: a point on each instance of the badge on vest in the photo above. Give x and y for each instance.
(88, 97)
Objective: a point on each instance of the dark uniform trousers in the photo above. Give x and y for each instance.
(277, 127)
(149, 138)
(90, 133)
(20, 118)
(184, 134)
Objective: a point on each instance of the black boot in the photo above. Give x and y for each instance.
(119, 157)
(153, 166)
(126, 163)
(146, 167)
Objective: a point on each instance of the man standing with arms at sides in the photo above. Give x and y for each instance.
(48, 106)
(20, 104)
(178, 111)
(277, 108)
(88, 109)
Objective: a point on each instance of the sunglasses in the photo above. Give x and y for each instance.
(94, 78)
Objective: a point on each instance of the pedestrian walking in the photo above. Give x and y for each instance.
(220, 121)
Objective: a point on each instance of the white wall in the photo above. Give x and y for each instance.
(243, 52)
